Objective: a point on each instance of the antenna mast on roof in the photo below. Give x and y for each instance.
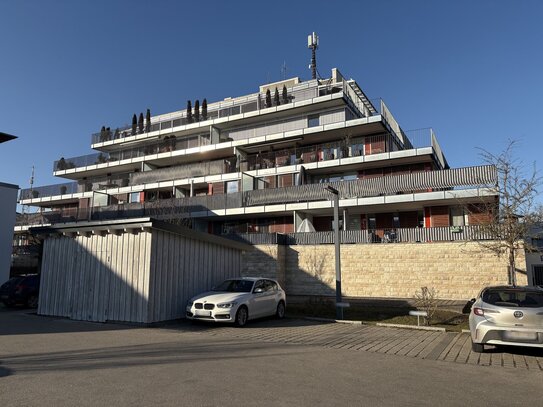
(23, 207)
(313, 45)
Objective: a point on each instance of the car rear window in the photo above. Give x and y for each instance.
(513, 297)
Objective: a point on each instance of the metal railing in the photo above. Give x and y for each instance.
(482, 176)
(216, 110)
(389, 185)
(385, 236)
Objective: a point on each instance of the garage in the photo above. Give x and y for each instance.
(139, 270)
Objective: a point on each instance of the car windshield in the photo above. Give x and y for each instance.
(511, 297)
(235, 286)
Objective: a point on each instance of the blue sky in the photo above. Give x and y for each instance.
(472, 70)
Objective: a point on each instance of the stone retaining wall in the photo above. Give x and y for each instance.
(457, 270)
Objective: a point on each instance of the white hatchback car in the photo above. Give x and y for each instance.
(239, 300)
(507, 315)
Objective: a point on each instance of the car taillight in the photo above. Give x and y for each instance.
(479, 311)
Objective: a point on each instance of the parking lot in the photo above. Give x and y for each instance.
(450, 347)
(55, 361)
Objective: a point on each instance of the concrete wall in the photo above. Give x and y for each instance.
(8, 205)
(456, 270)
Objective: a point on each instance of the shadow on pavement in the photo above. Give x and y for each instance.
(516, 350)
(21, 321)
(138, 355)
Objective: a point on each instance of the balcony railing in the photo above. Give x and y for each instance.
(482, 176)
(397, 235)
(237, 106)
(68, 188)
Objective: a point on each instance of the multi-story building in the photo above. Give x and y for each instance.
(8, 203)
(258, 164)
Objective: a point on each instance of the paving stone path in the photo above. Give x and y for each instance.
(445, 346)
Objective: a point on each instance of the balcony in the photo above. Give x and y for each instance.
(400, 235)
(71, 188)
(355, 147)
(252, 103)
(393, 186)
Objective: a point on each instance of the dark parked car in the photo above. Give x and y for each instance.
(21, 290)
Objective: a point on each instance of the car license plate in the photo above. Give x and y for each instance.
(520, 336)
(202, 313)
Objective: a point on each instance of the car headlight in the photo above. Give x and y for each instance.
(189, 303)
(227, 305)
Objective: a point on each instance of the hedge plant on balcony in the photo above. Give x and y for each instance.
(197, 110)
(134, 123)
(148, 121)
(285, 95)
(189, 112)
(204, 109)
(140, 124)
(268, 99)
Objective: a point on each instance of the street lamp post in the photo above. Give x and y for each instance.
(339, 302)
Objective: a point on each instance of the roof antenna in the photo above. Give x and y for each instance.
(23, 207)
(284, 70)
(313, 45)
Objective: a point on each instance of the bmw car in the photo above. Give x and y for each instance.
(507, 315)
(239, 300)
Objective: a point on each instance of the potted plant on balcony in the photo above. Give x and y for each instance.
(101, 159)
(134, 124)
(148, 121)
(63, 189)
(204, 109)
(276, 97)
(61, 164)
(197, 110)
(268, 99)
(140, 124)
(285, 95)
(103, 134)
(189, 112)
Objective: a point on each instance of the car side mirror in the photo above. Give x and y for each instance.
(258, 290)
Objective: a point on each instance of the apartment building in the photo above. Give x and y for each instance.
(259, 163)
(8, 201)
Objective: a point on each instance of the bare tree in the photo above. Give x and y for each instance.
(510, 220)
(426, 300)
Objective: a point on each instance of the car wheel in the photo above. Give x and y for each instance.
(32, 301)
(477, 347)
(280, 312)
(242, 316)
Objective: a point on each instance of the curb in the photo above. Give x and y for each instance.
(339, 321)
(420, 328)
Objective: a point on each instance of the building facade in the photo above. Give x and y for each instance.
(8, 206)
(258, 164)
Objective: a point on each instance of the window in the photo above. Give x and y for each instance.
(457, 216)
(396, 220)
(313, 120)
(372, 224)
(232, 186)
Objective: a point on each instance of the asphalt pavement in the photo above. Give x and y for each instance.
(54, 361)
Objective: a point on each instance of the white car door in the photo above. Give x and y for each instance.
(259, 300)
